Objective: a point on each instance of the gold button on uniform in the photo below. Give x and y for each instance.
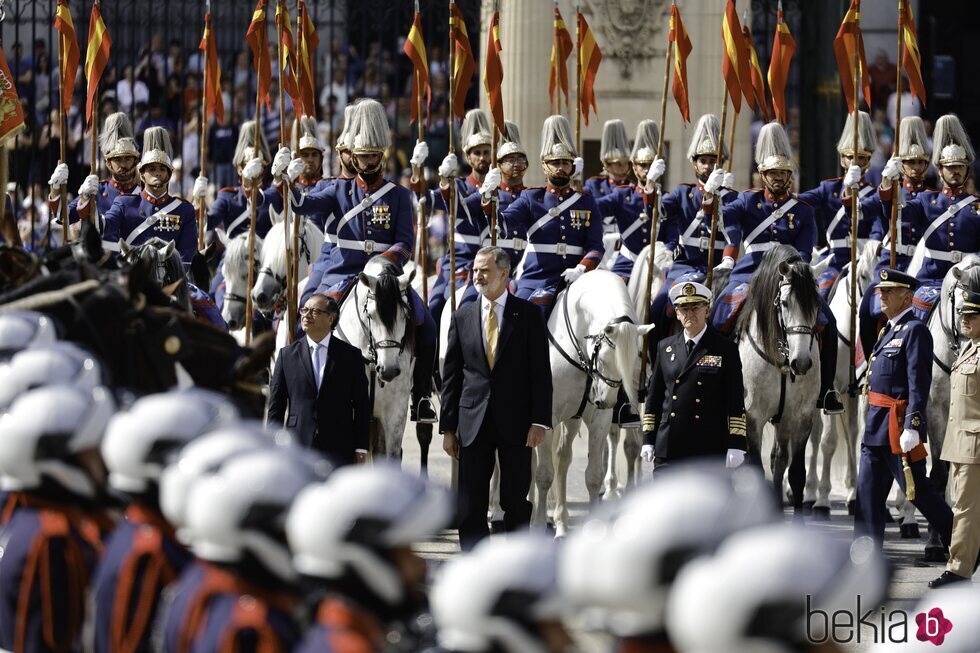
(673, 415)
(697, 401)
(697, 417)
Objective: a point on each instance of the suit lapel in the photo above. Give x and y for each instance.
(328, 366)
(306, 360)
(476, 328)
(512, 312)
(699, 350)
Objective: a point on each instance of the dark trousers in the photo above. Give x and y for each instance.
(476, 462)
(878, 467)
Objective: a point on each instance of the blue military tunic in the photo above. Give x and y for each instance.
(562, 229)
(141, 558)
(108, 192)
(627, 208)
(900, 370)
(836, 215)
(304, 186)
(232, 211)
(758, 221)
(601, 186)
(137, 218)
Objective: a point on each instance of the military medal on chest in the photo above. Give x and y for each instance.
(579, 218)
(168, 222)
(381, 216)
(789, 218)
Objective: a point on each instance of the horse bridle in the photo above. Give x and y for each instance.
(788, 330)
(364, 318)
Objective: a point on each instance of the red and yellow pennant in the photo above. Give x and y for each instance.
(11, 112)
(306, 53)
(735, 62)
(464, 66)
(783, 47)
(288, 67)
(848, 43)
(911, 59)
(214, 104)
(261, 63)
(493, 75)
(68, 53)
(561, 49)
(682, 46)
(415, 50)
(589, 59)
(758, 86)
(96, 57)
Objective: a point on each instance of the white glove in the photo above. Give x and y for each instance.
(491, 182)
(253, 170)
(579, 167)
(200, 188)
(727, 263)
(852, 178)
(893, 169)
(449, 166)
(646, 453)
(734, 458)
(656, 171)
(729, 181)
(715, 181)
(281, 162)
(420, 154)
(908, 440)
(89, 187)
(59, 176)
(295, 169)
(571, 275)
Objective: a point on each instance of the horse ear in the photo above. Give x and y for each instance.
(957, 273)
(169, 249)
(124, 248)
(406, 278)
(365, 279)
(644, 329)
(784, 269)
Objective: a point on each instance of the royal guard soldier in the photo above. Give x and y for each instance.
(562, 227)
(948, 220)
(351, 539)
(915, 152)
(50, 466)
(960, 443)
(760, 220)
(247, 590)
(376, 218)
(685, 227)
(473, 221)
(307, 172)
(614, 151)
(898, 379)
(832, 200)
(475, 136)
(142, 555)
(694, 407)
(626, 205)
(134, 219)
(118, 145)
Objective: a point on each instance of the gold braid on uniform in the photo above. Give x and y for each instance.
(736, 425)
(649, 421)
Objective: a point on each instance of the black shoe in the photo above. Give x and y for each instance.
(627, 417)
(831, 403)
(947, 578)
(423, 412)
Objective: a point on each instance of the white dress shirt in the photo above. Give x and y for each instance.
(895, 320)
(319, 362)
(696, 338)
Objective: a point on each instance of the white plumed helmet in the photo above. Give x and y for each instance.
(491, 598)
(25, 330)
(60, 362)
(140, 441)
(45, 429)
(751, 596)
(239, 513)
(618, 568)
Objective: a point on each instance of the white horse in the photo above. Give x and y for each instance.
(779, 352)
(234, 269)
(824, 440)
(376, 317)
(595, 349)
(270, 274)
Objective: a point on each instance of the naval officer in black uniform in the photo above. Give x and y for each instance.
(695, 406)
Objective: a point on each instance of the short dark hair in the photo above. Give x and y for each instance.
(330, 304)
(500, 257)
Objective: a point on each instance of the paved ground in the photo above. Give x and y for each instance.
(908, 585)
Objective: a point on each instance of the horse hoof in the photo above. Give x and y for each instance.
(808, 507)
(821, 513)
(935, 554)
(851, 507)
(909, 531)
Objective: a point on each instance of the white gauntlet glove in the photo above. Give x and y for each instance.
(200, 188)
(295, 169)
(253, 170)
(852, 178)
(281, 162)
(908, 440)
(727, 263)
(656, 171)
(571, 275)
(59, 177)
(646, 453)
(715, 181)
(893, 169)
(729, 181)
(734, 458)
(419, 154)
(491, 182)
(579, 167)
(449, 166)
(89, 187)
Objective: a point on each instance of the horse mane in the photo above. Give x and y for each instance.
(236, 256)
(764, 287)
(274, 248)
(387, 293)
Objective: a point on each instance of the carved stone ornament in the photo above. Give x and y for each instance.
(627, 30)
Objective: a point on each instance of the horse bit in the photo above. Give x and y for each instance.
(786, 331)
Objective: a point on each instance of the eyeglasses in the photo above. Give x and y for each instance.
(313, 312)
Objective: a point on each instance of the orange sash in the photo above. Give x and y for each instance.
(896, 420)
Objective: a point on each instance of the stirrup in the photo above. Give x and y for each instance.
(627, 417)
(831, 403)
(423, 412)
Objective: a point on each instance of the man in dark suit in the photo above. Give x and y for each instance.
(695, 405)
(496, 397)
(321, 379)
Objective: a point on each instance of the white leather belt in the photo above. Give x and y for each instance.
(703, 242)
(761, 247)
(627, 254)
(839, 243)
(561, 249)
(515, 244)
(366, 246)
(469, 240)
(954, 256)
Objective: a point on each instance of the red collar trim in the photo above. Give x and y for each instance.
(954, 192)
(155, 201)
(121, 189)
(472, 181)
(516, 190)
(914, 188)
(306, 181)
(775, 199)
(373, 187)
(561, 192)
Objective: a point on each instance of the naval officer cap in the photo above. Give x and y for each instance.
(971, 303)
(891, 278)
(689, 293)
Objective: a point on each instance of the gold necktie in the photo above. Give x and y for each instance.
(492, 329)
